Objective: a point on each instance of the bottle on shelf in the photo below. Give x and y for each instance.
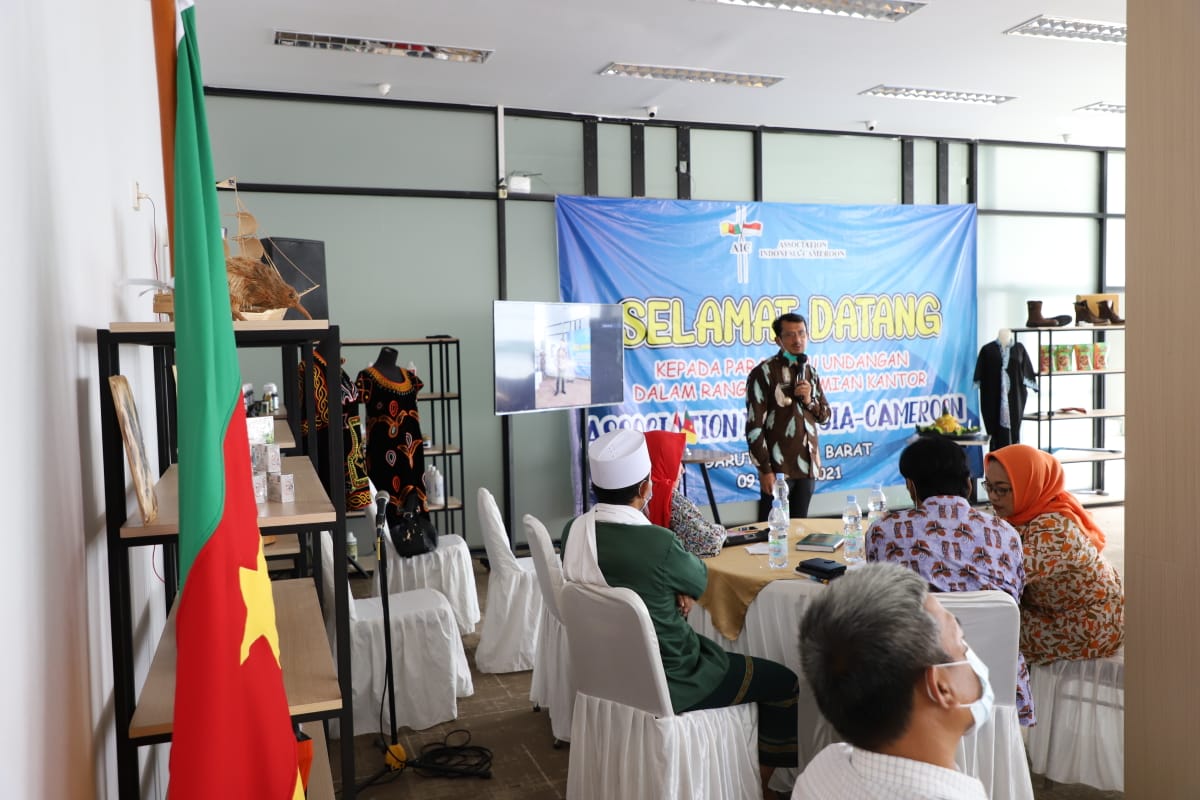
(876, 505)
(852, 531)
(777, 536)
(351, 545)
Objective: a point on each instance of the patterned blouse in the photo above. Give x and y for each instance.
(1073, 606)
(699, 536)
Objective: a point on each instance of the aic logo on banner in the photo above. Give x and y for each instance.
(741, 228)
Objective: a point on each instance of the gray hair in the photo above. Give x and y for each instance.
(864, 642)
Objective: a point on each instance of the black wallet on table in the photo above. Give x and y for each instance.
(824, 568)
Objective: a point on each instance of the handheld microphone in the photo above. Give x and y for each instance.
(801, 360)
(381, 501)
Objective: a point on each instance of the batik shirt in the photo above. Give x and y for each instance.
(956, 548)
(358, 492)
(699, 536)
(1074, 604)
(780, 431)
(395, 452)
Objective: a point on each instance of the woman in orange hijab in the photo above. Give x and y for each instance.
(669, 507)
(1073, 604)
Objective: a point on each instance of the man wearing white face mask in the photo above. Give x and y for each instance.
(892, 673)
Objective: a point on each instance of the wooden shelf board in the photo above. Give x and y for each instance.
(377, 342)
(1079, 372)
(309, 678)
(285, 545)
(283, 433)
(438, 396)
(312, 506)
(1070, 328)
(452, 450)
(243, 325)
(1098, 414)
(1069, 456)
(320, 778)
(451, 504)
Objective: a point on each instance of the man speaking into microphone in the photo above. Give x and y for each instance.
(784, 406)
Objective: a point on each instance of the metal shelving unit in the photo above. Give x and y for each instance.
(143, 715)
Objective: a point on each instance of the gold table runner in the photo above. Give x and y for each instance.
(735, 577)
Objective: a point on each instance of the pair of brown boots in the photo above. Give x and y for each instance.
(1084, 315)
(1036, 320)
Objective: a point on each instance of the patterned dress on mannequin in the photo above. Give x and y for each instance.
(358, 492)
(395, 445)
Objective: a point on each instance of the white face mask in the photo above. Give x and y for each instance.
(981, 709)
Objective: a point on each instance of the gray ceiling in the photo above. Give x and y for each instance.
(548, 54)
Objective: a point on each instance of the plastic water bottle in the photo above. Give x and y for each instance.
(852, 530)
(351, 546)
(876, 505)
(781, 493)
(777, 537)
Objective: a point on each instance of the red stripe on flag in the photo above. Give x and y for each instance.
(245, 753)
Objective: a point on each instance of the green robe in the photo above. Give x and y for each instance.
(651, 561)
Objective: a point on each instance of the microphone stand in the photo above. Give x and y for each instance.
(394, 755)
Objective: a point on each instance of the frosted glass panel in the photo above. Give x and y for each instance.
(325, 144)
(612, 146)
(817, 168)
(722, 165)
(1030, 258)
(924, 172)
(1115, 254)
(1038, 179)
(549, 150)
(958, 171)
(1116, 183)
(660, 162)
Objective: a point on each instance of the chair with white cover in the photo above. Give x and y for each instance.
(995, 754)
(447, 569)
(508, 641)
(551, 686)
(626, 741)
(1080, 735)
(429, 664)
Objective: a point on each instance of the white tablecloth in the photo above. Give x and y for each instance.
(447, 569)
(994, 754)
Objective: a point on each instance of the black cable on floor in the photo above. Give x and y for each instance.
(446, 760)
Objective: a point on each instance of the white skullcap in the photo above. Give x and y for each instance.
(618, 459)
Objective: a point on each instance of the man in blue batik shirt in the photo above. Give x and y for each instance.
(954, 547)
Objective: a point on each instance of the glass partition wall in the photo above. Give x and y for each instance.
(421, 236)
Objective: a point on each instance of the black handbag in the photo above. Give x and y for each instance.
(413, 532)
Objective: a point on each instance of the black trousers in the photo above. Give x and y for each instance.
(800, 492)
(775, 688)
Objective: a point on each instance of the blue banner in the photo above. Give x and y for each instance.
(888, 292)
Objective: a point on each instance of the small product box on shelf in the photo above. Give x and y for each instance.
(260, 430)
(265, 458)
(260, 487)
(281, 487)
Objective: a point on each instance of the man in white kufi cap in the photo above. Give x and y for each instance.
(614, 544)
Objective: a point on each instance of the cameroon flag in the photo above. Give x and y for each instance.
(232, 733)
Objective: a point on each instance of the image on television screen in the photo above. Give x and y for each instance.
(557, 355)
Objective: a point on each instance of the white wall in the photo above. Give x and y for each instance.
(79, 126)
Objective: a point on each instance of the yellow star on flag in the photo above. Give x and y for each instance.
(260, 607)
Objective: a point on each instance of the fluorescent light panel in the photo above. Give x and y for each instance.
(940, 95)
(1083, 30)
(380, 47)
(855, 9)
(691, 75)
(1111, 108)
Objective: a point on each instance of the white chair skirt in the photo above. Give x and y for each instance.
(447, 569)
(508, 641)
(620, 751)
(551, 687)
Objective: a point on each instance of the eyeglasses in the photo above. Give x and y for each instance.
(998, 491)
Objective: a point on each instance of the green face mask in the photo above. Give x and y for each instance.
(791, 358)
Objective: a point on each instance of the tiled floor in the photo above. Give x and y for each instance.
(526, 766)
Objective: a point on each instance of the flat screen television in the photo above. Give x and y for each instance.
(557, 355)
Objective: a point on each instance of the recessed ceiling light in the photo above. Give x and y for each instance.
(940, 95)
(378, 47)
(1083, 30)
(889, 11)
(690, 75)
(1111, 108)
